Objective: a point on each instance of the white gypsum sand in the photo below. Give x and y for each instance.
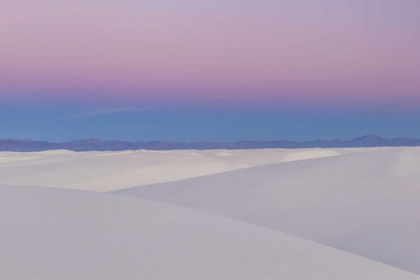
(367, 203)
(107, 171)
(55, 234)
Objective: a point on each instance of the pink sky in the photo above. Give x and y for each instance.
(353, 52)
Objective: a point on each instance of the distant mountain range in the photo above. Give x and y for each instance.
(114, 145)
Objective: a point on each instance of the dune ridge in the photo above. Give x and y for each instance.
(366, 203)
(108, 171)
(66, 234)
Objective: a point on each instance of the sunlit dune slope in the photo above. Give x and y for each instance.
(366, 203)
(66, 234)
(107, 171)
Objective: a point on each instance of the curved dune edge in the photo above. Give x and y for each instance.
(365, 203)
(65, 234)
(108, 171)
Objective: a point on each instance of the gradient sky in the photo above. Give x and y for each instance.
(229, 70)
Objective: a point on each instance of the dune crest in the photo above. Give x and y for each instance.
(108, 171)
(367, 203)
(53, 234)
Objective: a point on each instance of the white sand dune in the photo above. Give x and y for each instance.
(7, 158)
(107, 171)
(54, 234)
(367, 203)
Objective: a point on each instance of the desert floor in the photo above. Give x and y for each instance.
(215, 214)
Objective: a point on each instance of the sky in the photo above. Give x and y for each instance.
(185, 70)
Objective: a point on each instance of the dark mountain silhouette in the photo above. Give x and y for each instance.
(114, 145)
